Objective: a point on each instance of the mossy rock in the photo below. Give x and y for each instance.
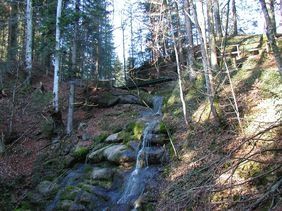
(100, 138)
(64, 205)
(133, 130)
(80, 153)
(70, 192)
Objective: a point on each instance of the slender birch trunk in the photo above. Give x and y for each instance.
(28, 50)
(57, 58)
(206, 65)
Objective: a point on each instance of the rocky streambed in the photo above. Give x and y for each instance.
(120, 173)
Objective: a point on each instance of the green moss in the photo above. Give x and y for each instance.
(70, 193)
(80, 152)
(138, 130)
(249, 169)
(100, 138)
(24, 206)
(102, 183)
(163, 128)
(270, 83)
(125, 136)
(85, 187)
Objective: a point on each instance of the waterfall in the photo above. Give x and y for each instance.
(137, 180)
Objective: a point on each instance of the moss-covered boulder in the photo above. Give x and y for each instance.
(117, 153)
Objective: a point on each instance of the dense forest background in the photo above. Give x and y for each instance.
(76, 75)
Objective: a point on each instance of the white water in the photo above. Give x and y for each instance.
(137, 180)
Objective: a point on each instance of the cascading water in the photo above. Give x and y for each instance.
(137, 180)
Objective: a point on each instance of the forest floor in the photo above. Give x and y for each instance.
(218, 167)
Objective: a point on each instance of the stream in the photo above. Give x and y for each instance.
(105, 184)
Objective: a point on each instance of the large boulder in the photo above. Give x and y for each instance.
(159, 139)
(154, 155)
(117, 153)
(102, 173)
(46, 188)
(114, 138)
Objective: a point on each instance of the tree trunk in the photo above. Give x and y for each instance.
(206, 65)
(28, 52)
(13, 32)
(71, 108)
(270, 8)
(190, 54)
(74, 71)
(178, 65)
(234, 13)
(217, 19)
(57, 58)
(212, 35)
(271, 36)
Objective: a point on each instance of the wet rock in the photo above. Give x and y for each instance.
(77, 207)
(97, 156)
(114, 138)
(102, 173)
(85, 198)
(158, 139)
(65, 204)
(46, 188)
(155, 155)
(118, 154)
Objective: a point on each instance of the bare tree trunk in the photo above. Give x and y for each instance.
(74, 70)
(71, 107)
(234, 13)
(270, 8)
(57, 58)
(271, 36)
(206, 65)
(190, 54)
(178, 71)
(13, 32)
(217, 19)
(213, 54)
(28, 52)
(123, 50)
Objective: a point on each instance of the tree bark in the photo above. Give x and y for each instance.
(271, 36)
(270, 8)
(28, 51)
(57, 58)
(206, 65)
(71, 108)
(217, 19)
(190, 54)
(13, 32)
(234, 13)
(212, 35)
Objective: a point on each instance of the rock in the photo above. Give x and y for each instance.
(158, 139)
(35, 198)
(85, 198)
(118, 154)
(46, 188)
(77, 207)
(102, 173)
(65, 204)
(114, 138)
(97, 156)
(155, 154)
(86, 136)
